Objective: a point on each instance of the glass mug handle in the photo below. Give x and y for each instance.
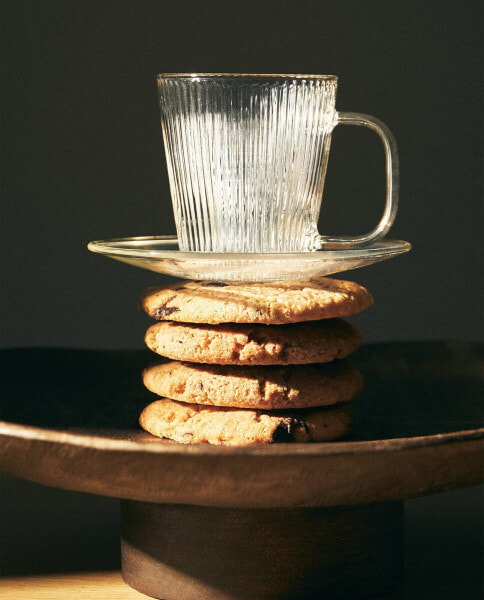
(392, 172)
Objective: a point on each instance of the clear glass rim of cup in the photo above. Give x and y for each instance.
(288, 76)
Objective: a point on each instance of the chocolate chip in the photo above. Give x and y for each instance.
(214, 284)
(302, 423)
(200, 385)
(165, 311)
(283, 431)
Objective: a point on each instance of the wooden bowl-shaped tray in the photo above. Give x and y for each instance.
(69, 419)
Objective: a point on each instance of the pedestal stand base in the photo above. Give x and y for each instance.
(182, 552)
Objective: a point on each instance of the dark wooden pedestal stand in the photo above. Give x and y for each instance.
(283, 521)
(177, 552)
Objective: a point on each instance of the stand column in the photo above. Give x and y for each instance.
(182, 552)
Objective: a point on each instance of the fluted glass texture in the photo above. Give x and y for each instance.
(246, 160)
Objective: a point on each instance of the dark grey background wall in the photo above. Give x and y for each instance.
(83, 158)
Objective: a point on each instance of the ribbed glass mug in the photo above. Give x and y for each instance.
(247, 158)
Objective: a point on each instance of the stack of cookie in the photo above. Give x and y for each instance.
(252, 363)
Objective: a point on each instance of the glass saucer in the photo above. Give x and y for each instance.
(161, 254)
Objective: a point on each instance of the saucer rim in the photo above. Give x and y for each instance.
(385, 246)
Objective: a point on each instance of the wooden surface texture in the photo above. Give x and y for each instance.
(70, 421)
(73, 586)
